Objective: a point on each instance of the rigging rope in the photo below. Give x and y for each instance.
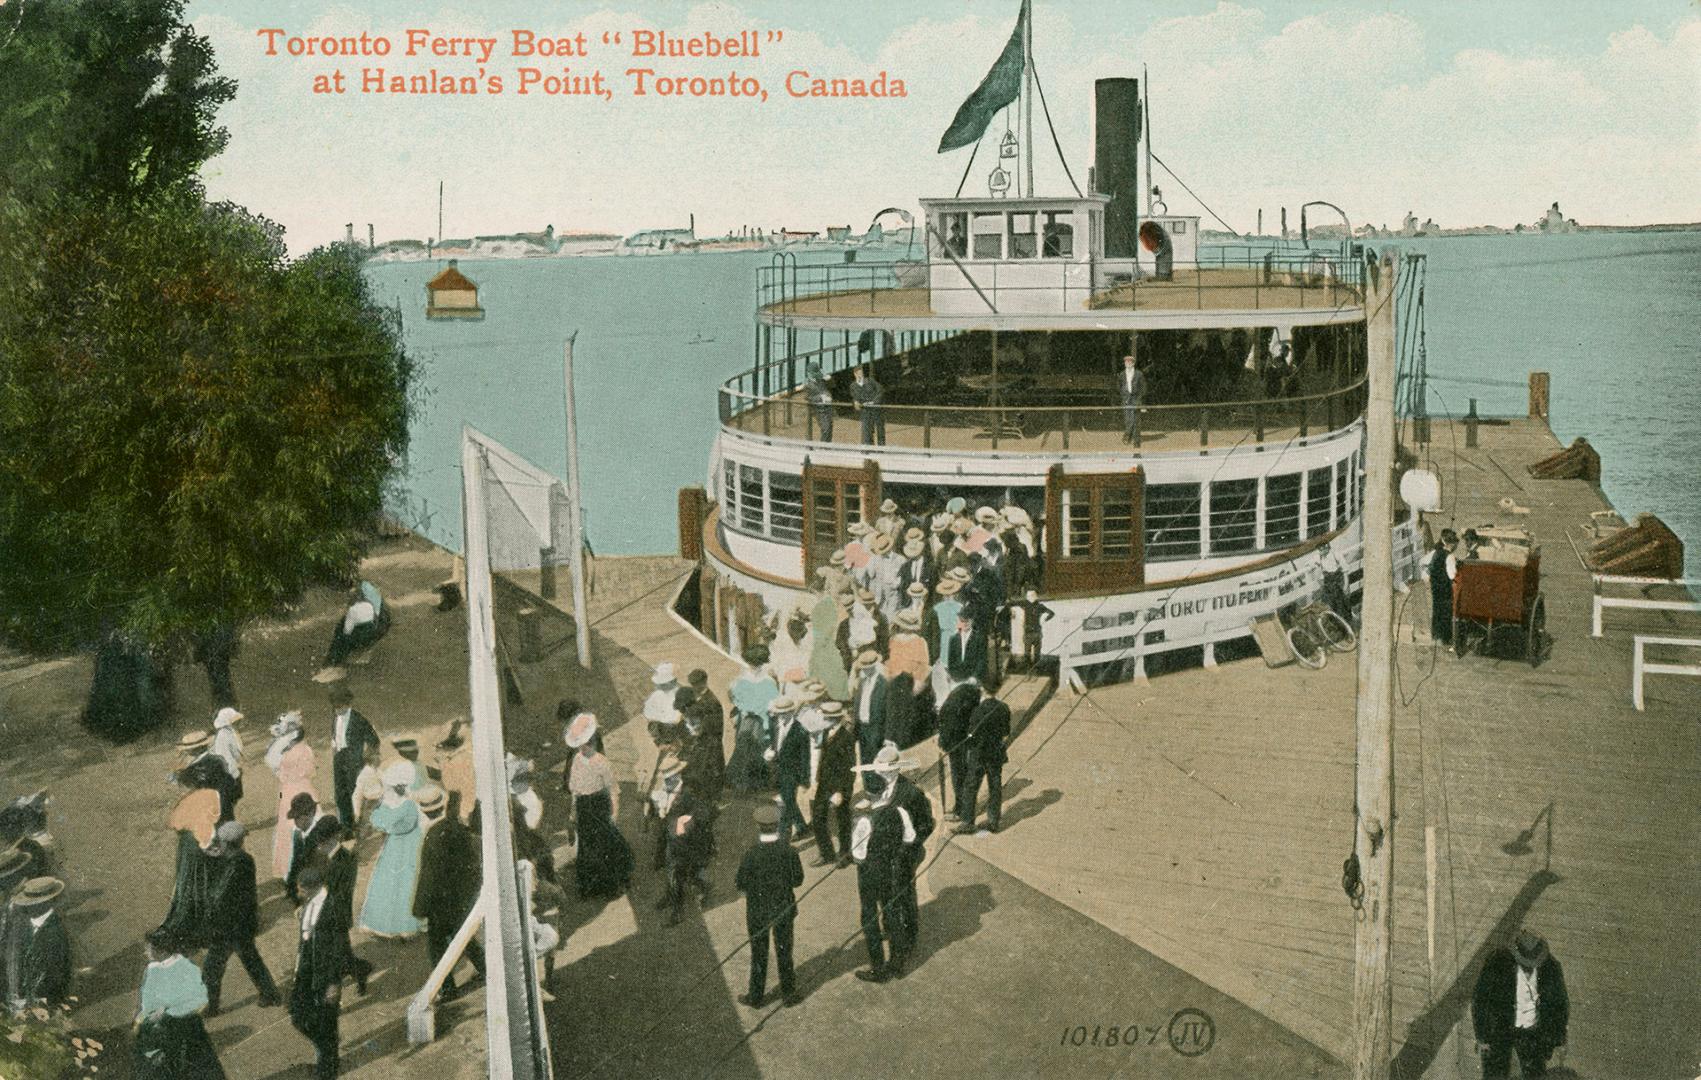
(1034, 71)
(1195, 195)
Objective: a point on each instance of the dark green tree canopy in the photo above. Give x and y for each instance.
(109, 97)
(192, 427)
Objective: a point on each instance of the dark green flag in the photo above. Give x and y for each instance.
(1000, 87)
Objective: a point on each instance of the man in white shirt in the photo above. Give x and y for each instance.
(1521, 1005)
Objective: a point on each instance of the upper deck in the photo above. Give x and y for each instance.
(1018, 265)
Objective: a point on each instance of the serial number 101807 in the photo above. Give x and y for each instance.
(1099, 1035)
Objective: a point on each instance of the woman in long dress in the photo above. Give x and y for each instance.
(388, 910)
(603, 867)
(170, 1038)
(292, 759)
(825, 663)
(750, 694)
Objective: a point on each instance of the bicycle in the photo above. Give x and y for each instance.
(1314, 630)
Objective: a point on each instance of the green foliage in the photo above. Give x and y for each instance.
(110, 97)
(192, 427)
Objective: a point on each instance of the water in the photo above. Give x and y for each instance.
(1612, 316)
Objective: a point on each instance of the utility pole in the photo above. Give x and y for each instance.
(1373, 930)
(575, 516)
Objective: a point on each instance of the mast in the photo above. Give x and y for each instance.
(1146, 78)
(1028, 89)
(1373, 932)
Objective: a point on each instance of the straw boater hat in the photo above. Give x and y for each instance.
(913, 548)
(579, 732)
(37, 891)
(227, 717)
(986, 515)
(195, 740)
(810, 693)
(663, 675)
(939, 522)
(859, 528)
(949, 587)
(1018, 517)
(917, 589)
(837, 558)
(12, 860)
(880, 544)
(404, 744)
(430, 798)
(1529, 949)
(888, 507)
(959, 574)
(782, 704)
(865, 658)
(865, 595)
(908, 619)
(961, 526)
(887, 762)
(913, 533)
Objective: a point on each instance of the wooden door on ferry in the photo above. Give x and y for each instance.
(834, 499)
(1095, 536)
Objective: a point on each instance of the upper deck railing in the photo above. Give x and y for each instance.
(1223, 279)
(992, 418)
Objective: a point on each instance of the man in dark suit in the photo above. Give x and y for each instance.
(767, 877)
(351, 734)
(954, 718)
(315, 1000)
(988, 729)
(790, 755)
(1520, 1004)
(204, 769)
(917, 567)
(450, 875)
(36, 947)
(683, 848)
(313, 830)
(1131, 387)
(869, 691)
(965, 652)
(835, 782)
(233, 915)
(705, 749)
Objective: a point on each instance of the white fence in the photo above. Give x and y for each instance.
(1641, 667)
(1641, 602)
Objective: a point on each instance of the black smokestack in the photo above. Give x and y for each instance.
(1116, 142)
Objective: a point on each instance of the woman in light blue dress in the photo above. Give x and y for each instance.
(388, 910)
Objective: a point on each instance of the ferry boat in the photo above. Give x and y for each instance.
(1000, 357)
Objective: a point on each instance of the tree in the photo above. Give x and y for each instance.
(111, 98)
(192, 430)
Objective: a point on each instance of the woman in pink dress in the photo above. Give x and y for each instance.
(292, 759)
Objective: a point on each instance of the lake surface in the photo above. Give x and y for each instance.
(1613, 316)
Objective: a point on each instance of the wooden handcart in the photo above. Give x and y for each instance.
(1499, 594)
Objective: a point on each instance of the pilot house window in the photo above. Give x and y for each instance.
(1059, 234)
(989, 236)
(1022, 241)
(954, 230)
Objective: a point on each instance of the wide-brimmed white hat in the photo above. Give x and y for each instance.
(581, 729)
(888, 506)
(939, 522)
(663, 675)
(398, 774)
(887, 761)
(227, 717)
(1015, 515)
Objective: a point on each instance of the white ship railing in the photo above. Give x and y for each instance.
(1644, 603)
(1641, 668)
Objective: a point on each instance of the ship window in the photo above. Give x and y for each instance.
(989, 236)
(750, 497)
(853, 503)
(955, 229)
(1077, 524)
(1177, 228)
(1281, 510)
(1059, 234)
(1172, 521)
(1341, 512)
(729, 494)
(1022, 240)
(1116, 523)
(1317, 502)
(1104, 514)
(785, 506)
(1234, 516)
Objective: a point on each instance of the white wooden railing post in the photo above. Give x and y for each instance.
(1636, 678)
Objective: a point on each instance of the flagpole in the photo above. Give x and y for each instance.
(1028, 94)
(1146, 78)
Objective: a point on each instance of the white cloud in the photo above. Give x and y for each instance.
(1353, 108)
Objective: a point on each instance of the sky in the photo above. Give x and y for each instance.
(1464, 112)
